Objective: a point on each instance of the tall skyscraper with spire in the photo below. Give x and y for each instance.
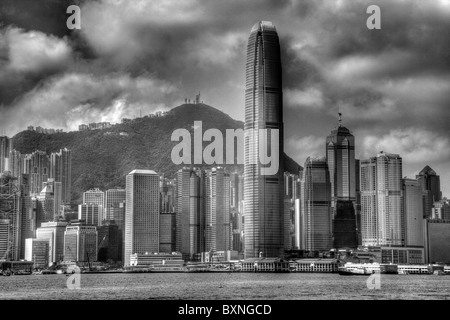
(263, 194)
(340, 151)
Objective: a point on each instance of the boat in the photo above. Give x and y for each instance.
(438, 273)
(353, 271)
(403, 272)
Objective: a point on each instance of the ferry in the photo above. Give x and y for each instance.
(354, 271)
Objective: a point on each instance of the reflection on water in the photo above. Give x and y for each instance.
(259, 286)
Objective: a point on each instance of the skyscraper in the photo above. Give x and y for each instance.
(92, 214)
(94, 196)
(340, 147)
(315, 205)
(382, 216)
(115, 210)
(50, 202)
(61, 171)
(217, 210)
(264, 202)
(190, 238)
(4, 152)
(412, 197)
(142, 213)
(53, 232)
(431, 189)
(37, 165)
(80, 243)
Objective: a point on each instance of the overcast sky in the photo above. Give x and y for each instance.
(393, 84)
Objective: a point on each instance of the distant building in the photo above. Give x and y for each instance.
(4, 238)
(190, 213)
(53, 232)
(94, 196)
(413, 211)
(157, 260)
(109, 239)
(167, 232)
(315, 206)
(10, 215)
(83, 127)
(115, 210)
(61, 171)
(382, 217)
(37, 165)
(37, 251)
(80, 243)
(431, 189)
(441, 210)
(5, 147)
(92, 213)
(50, 202)
(142, 213)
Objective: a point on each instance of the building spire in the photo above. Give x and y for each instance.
(340, 116)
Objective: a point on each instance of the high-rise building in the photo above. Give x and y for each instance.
(141, 213)
(382, 216)
(358, 200)
(53, 232)
(37, 165)
(264, 201)
(413, 211)
(217, 210)
(10, 211)
(4, 152)
(291, 212)
(190, 213)
(94, 196)
(4, 239)
(109, 239)
(16, 163)
(92, 214)
(236, 209)
(437, 241)
(167, 232)
(50, 202)
(80, 243)
(61, 171)
(115, 210)
(316, 205)
(431, 189)
(441, 210)
(340, 147)
(37, 251)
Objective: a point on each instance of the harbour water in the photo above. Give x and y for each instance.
(224, 286)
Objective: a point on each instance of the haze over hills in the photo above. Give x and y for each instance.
(102, 158)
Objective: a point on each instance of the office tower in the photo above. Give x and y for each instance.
(340, 151)
(92, 214)
(80, 243)
(190, 213)
(53, 232)
(358, 200)
(28, 222)
(16, 163)
(4, 239)
(50, 202)
(413, 212)
(109, 239)
(94, 196)
(4, 153)
(61, 171)
(37, 251)
(217, 210)
(382, 216)
(115, 210)
(264, 205)
(37, 165)
(431, 189)
(441, 210)
(291, 194)
(10, 211)
(236, 208)
(141, 213)
(167, 218)
(316, 205)
(167, 232)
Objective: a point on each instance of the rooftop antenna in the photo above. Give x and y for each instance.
(340, 115)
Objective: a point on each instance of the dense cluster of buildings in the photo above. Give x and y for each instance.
(333, 204)
(39, 129)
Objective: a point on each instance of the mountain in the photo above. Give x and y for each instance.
(102, 158)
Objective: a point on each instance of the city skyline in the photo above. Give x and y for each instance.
(382, 79)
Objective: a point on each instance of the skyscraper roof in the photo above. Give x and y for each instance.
(137, 171)
(427, 170)
(263, 25)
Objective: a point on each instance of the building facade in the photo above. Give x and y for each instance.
(263, 190)
(80, 243)
(141, 213)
